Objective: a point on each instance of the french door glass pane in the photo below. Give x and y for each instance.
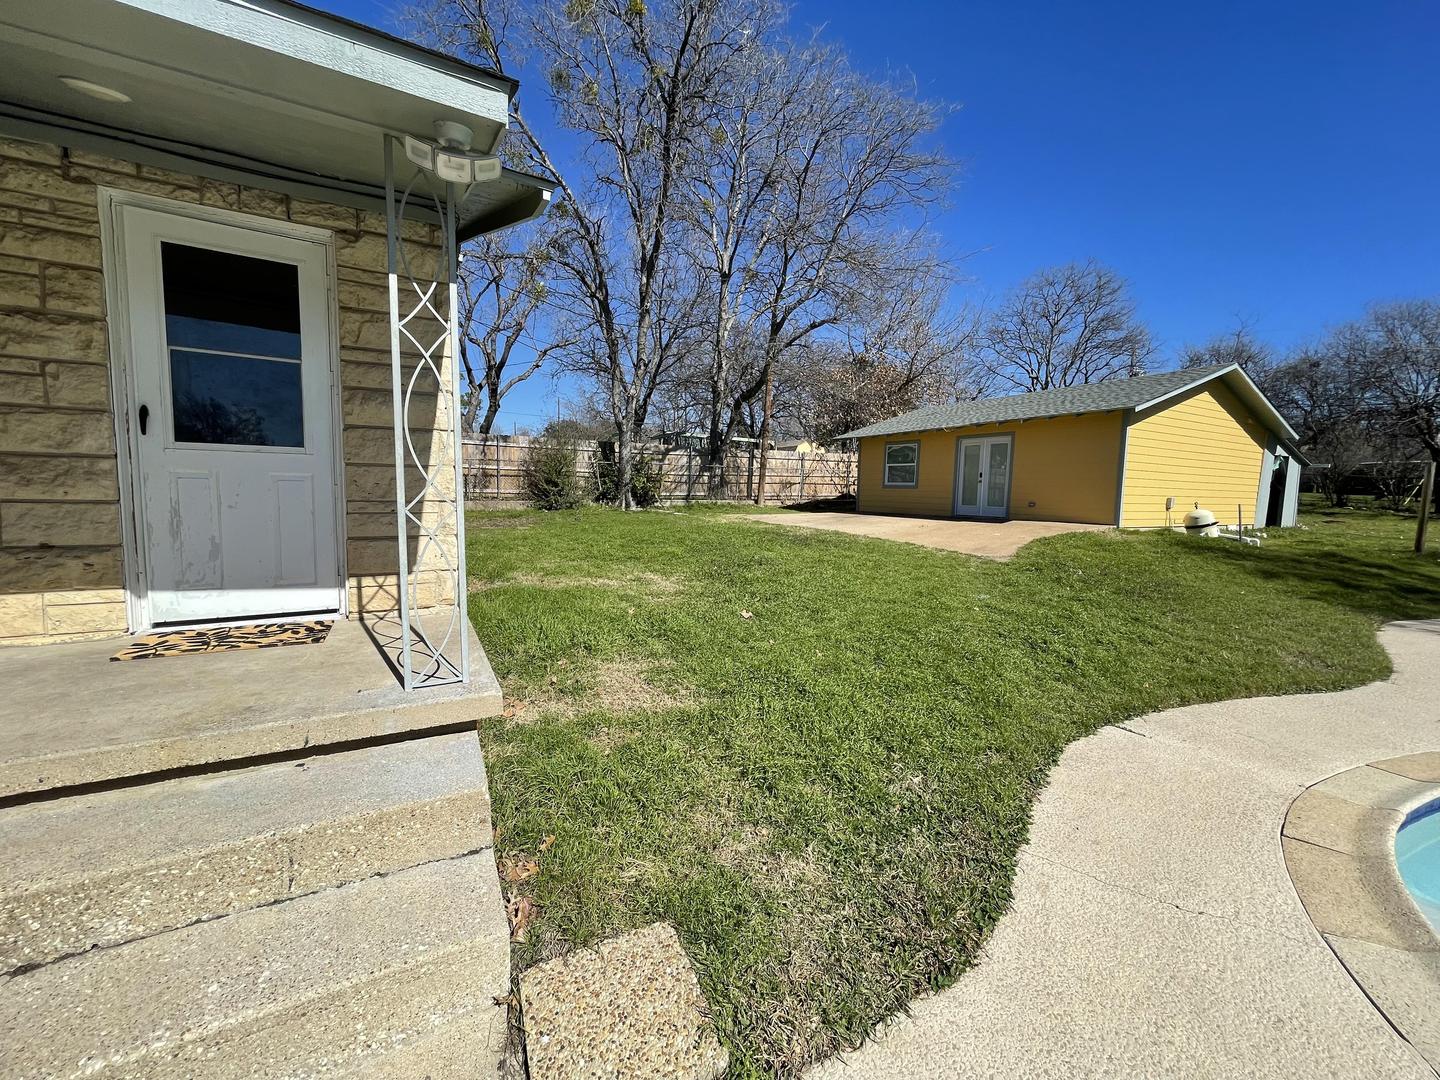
(970, 474)
(232, 327)
(997, 474)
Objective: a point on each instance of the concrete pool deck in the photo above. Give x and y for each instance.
(1155, 930)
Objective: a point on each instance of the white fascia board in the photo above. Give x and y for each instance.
(309, 37)
(1199, 380)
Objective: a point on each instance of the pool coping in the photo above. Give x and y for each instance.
(1338, 842)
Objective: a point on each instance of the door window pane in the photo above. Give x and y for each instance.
(230, 303)
(997, 474)
(238, 400)
(232, 326)
(970, 474)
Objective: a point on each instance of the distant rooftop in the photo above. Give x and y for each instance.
(1109, 396)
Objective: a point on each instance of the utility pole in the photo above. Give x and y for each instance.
(1427, 496)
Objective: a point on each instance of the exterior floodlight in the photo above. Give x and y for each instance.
(451, 159)
(421, 153)
(453, 166)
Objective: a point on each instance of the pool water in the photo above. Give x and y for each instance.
(1417, 851)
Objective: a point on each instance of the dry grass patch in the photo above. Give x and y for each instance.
(650, 585)
(622, 686)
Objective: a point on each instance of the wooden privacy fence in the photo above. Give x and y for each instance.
(495, 471)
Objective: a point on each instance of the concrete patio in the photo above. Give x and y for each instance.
(989, 539)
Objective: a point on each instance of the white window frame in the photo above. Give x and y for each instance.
(885, 465)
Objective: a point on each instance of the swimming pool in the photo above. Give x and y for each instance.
(1417, 852)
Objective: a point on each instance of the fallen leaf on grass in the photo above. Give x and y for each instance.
(547, 843)
(522, 911)
(747, 614)
(515, 868)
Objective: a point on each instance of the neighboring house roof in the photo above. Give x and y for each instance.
(268, 93)
(1127, 395)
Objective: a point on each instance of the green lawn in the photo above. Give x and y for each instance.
(816, 754)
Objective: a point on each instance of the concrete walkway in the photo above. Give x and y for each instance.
(1155, 931)
(991, 539)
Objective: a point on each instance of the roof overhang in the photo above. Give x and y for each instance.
(268, 91)
(1243, 387)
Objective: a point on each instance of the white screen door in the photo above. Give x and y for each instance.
(230, 394)
(982, 477)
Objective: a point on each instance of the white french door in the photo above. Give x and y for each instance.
(982, 477)
(230, 389)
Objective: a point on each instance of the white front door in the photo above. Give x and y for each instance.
(230, 398)
(982, 477)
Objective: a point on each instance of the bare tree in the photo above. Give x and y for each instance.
(638, 85)
(1315, 391)
(1393, 357)
(1368, 390)
(796, 210)
(1065, 326)
(1397, 471)
(641, 85)
(505, 323)
(909, 347)
(734, 195)
(1240, 346)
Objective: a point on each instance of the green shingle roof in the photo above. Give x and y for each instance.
(1105, 396)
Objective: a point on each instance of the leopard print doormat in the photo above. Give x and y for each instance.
(223, 639)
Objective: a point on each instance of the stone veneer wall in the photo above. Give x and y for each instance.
(61, 576)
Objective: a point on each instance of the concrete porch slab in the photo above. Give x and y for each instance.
(69, 716)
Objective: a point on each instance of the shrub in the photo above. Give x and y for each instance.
(645, 481)
(645, 478)
(550, 480)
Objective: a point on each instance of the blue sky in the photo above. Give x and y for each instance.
(1272, 162)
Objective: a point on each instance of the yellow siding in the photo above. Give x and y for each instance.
(1067, 468)
(932, 496)
(1205, 448)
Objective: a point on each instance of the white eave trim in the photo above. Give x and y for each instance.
(311, 37)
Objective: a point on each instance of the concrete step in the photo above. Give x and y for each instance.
(70, 717)
(391, 976)
(105, 868)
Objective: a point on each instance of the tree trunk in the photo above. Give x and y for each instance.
(714, 463)
(492, 410)
(765, 430)
(624, 444)
(1427, 497)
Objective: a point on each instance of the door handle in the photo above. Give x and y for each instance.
(144, 417)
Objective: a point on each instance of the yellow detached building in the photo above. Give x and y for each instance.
(1135, 453)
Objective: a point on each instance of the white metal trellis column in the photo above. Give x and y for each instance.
(424, 318)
